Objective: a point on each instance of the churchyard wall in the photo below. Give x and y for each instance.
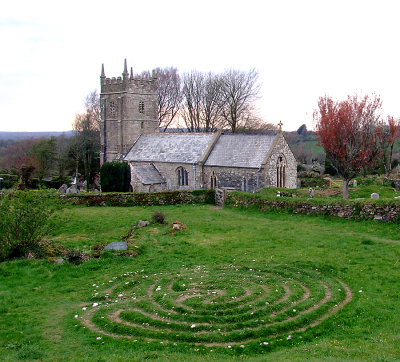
(381, 210)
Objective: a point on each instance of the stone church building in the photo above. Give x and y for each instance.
(178, 161)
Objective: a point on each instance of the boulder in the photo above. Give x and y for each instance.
(117, 245)
(177, 226)
(375, 196)
(142, 224)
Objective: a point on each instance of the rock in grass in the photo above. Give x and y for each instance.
(117, 245)
(142, 224)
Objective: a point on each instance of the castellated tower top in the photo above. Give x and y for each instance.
(127, 83)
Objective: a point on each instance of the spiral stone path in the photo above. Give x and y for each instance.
(229, 307)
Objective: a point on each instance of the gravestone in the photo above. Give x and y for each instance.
(355, 183)
(375, 196)
(310, 192)
(72, 190)
(63, 189)
(117, 245)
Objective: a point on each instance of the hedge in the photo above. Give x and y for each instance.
(141, 199)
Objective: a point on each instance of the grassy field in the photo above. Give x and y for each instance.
(232, 284)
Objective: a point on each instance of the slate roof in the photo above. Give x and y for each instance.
(148, 174)
(240, 150)
(170, 147)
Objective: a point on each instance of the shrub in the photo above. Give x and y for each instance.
(9, 181)
(329, 169)
(76, 256)
(300, 168)
(158, 217)
(56, 182)
(25, 217)
(115, 177)
(312, 179)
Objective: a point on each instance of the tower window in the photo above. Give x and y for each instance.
(141, 107)
(112, 108)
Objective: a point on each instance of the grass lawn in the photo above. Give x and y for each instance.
(232, 284)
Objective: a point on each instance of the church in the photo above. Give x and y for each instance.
(184, 161)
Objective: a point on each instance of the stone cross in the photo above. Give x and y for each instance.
(280, 124)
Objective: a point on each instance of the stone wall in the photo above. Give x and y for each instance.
(169, 171)
(244, 179)
(367, 210)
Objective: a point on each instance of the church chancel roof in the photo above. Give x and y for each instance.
(240, 150)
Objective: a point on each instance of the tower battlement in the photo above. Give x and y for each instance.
(127, 83)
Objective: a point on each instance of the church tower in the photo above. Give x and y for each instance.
(128, 109)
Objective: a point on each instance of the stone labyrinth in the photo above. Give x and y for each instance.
(231, 307)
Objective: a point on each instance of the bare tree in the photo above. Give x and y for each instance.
(211, 103)
(257, 125)
(169, 94)
(239, 91)
(193, 94)
(87, 134)
(201, 109)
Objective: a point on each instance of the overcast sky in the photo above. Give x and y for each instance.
(52, 51)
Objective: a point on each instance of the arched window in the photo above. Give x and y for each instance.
(244, 184)
(213, 181)
(281, 172)
(182, 177)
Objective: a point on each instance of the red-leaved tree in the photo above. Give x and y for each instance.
(348, 130)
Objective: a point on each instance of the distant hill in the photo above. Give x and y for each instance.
(22, 135)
